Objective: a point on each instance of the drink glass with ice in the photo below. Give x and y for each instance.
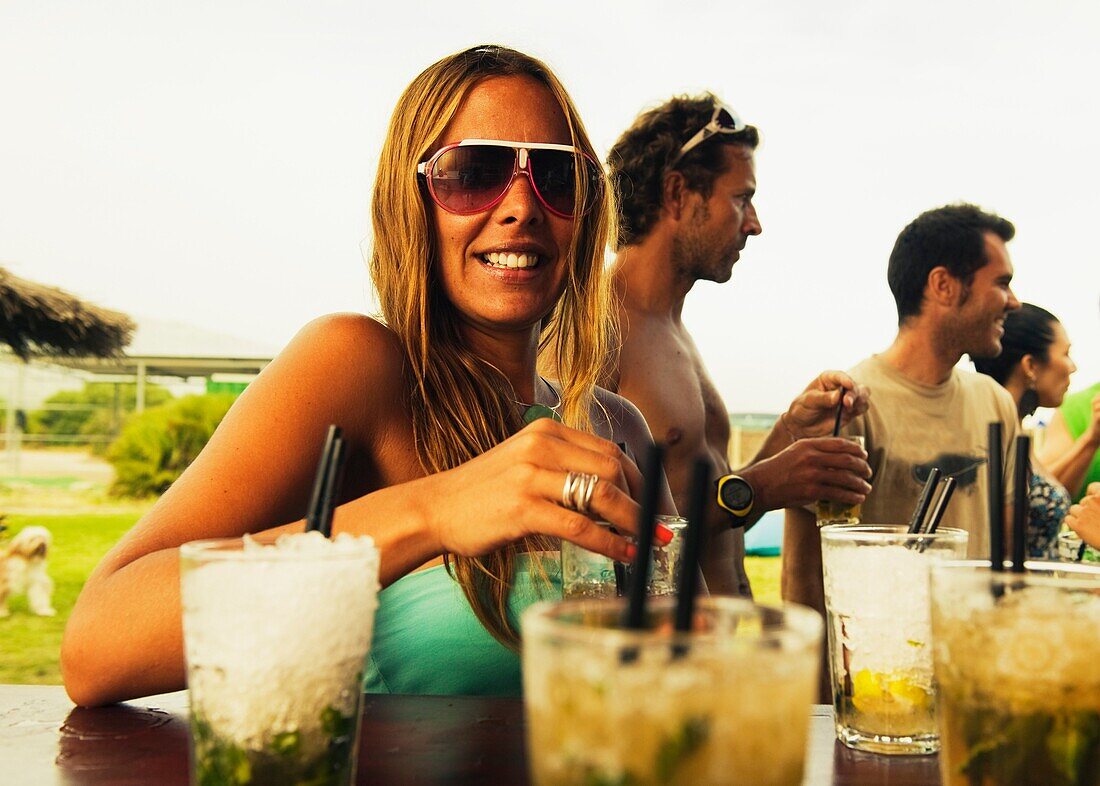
(727, 703)
(1015, 659)
(275, 638)
(877, 617)
(586, 574)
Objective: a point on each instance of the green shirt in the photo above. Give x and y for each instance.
(1076, 410)
(428, 641)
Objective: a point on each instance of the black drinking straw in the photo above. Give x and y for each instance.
(688, 584)
(996, 499)
(333, 482)
(317, 503)
(636, 592)
(839, 412)
(948, 488)
(916, 523)
(1020, 502)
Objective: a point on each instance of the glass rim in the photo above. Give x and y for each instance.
(1037, 573)
(801, 622)
(891, 533)
(231, 549)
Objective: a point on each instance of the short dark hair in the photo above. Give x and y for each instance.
(1029, 330)
(952, 236)
(645, 151)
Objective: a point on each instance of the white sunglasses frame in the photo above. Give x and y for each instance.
(521, 165)
(710, 129)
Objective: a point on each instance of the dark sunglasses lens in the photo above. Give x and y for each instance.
(728, 120)
(468, 179)
(554, 173)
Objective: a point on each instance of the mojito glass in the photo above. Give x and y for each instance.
(1015, 659)
(880, 654)
(586, 574)
(727, 703)
(829, 512)
(275, 638)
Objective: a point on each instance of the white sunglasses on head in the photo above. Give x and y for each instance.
(723, 121)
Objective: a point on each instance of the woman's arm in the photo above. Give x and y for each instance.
(1084, 517)
(124, 638)
(1068, 459)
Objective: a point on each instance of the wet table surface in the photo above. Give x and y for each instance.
(45, 740)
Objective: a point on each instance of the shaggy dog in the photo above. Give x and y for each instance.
(23, 569)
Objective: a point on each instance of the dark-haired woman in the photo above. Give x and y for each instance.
(1035, 367)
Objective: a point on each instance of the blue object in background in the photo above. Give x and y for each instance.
(765, 539)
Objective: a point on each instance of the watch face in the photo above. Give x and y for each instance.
(736, 493)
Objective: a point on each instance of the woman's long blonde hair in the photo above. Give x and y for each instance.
(461, 405)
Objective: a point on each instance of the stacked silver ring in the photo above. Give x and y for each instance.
(577, 491)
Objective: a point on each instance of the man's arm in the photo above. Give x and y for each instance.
(813, 412)
(824, 468)
(801, 573)
(802, 580)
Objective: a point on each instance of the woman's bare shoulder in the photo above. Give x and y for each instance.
(348, 347)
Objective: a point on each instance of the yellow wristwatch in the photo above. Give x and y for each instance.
(735, 495)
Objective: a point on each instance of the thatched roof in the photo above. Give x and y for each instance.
(41, 320)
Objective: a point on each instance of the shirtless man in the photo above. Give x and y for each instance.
(685, 176)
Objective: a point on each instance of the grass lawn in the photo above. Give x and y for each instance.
(30, 645)
(764, 577)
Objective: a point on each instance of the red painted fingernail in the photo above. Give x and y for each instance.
(631, 551)
(663, 535)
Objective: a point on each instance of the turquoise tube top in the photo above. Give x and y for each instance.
(428, 641)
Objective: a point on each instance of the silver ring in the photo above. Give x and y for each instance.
(589, 488)
(569, 490)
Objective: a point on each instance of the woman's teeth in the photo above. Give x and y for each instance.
(508, 260)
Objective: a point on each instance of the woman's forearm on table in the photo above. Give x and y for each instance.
(124, 638)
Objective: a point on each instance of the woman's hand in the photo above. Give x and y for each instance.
(516, 490)
(1084, 517)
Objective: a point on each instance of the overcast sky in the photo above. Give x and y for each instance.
(211, 162)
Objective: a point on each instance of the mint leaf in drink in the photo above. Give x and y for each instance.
(218, 762)
(595, 778)
(334, 724)
(1003, 747)
(674, 750)
(1071, 743)
(286, 743)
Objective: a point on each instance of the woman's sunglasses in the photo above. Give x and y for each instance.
(474, 175)
(723, 121)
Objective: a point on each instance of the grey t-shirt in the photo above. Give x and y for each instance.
(911, 427)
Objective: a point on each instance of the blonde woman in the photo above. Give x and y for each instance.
(490, 221)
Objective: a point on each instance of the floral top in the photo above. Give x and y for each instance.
(1049, 503)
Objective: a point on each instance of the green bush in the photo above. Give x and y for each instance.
(156, 446)
(93, 412)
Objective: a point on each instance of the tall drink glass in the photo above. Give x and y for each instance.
(727, 703)
(275, 639)
(880, 655)
(829, 512)
(1015, 658)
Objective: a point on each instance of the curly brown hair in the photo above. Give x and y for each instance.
(645, 151)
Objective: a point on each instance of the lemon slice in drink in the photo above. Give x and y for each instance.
(887, 696)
